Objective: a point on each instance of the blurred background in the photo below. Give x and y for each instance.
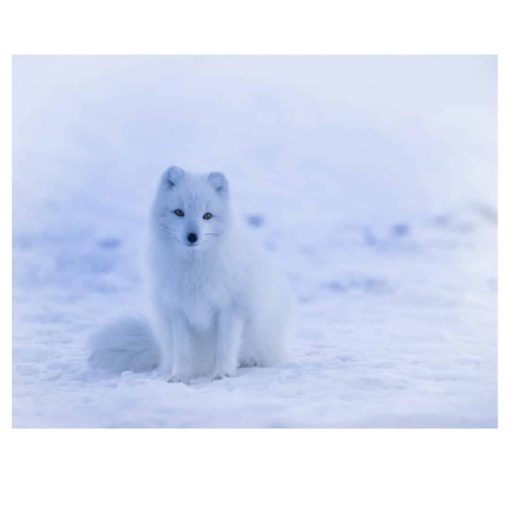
(359, 138)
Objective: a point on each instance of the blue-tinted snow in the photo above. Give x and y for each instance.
(371, 180)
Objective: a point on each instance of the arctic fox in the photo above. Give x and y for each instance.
(217, 301)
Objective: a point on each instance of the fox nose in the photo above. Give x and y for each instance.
(192, 238)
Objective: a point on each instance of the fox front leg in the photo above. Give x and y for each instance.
(182, 360)
(228, 341)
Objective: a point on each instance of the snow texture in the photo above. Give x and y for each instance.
(371, 180)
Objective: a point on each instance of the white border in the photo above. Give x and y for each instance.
(267, 468)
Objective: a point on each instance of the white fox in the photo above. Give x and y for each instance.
(217, 301)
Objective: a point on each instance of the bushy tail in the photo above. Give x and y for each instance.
(126, 344)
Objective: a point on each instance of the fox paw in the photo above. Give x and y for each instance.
(222, 374)
(178, 379)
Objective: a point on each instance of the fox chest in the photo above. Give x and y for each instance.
(198, 302)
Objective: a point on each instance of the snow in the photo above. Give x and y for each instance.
(372, 180)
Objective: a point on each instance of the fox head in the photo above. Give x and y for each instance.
(191, 210)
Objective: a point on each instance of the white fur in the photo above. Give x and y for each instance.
(125, 344)
(217, 303)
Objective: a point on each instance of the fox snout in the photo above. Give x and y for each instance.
(192, 238)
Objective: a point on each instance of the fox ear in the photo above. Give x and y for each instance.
(219, 182)
(173, 175)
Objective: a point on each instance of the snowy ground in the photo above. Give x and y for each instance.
(394, 269)
(399, 331)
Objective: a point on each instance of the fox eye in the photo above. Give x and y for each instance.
(207, 216)
(178, 212)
